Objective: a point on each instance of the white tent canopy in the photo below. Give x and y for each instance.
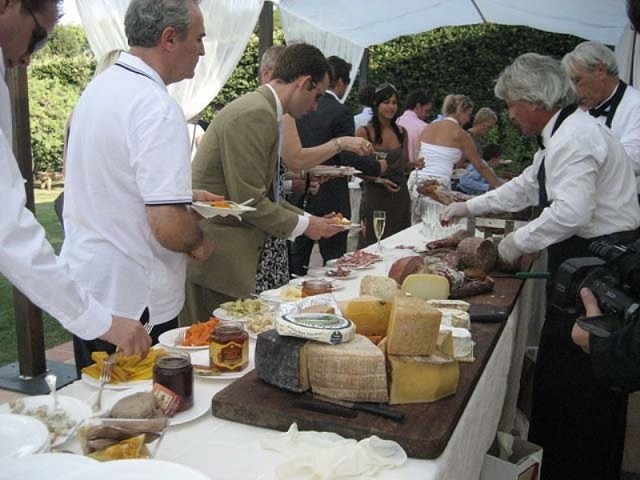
(369, 22)
(346, 27)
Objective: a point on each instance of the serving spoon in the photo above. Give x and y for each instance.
(52, 381)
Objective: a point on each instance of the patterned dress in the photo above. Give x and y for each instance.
(273, 266)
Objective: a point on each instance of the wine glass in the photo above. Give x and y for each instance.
(379, 221)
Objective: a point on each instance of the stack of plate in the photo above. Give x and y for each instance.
(21, 435)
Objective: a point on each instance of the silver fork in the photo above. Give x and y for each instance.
(148, 327)
(180, 336)
(105, 377)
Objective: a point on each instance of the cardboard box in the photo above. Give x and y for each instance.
(524, 463)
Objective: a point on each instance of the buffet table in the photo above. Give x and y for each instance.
(228, 450)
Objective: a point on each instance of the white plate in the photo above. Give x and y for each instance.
(273, 296)
(202, 358)
(21, 435)
(209, 211)
(142, 469)
(297, 282)
(94, 382)
(77, 410)
(168, 339)
(334, 263)
(201, 404)
(329, 170)
(52, 466)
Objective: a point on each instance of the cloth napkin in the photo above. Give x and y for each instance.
(324, 455)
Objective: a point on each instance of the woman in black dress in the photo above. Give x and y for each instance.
(388, 192)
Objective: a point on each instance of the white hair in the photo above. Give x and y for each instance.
(536, 79)
(588, 55)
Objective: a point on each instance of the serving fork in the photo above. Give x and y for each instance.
(105, 377)
(148, 327)
(180, 337)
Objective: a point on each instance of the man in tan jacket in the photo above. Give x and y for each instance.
(238, 158)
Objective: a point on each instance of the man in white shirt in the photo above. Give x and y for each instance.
(593, 69)
(26, 257)
(580, 178)
(414, 119)
(128, 222)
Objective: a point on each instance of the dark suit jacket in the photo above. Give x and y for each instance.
(333, 119)
(238, 159)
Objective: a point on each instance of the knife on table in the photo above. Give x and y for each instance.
(521, 275)
(372, 408)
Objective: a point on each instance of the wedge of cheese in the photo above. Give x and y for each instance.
(426, 286)
(383, 288)
(455, 318)
(282, 361)
(420, 379)
(353, 371)
(454, 304)
(369, 314)
(462, 343)
(445, 342)
(413, 327)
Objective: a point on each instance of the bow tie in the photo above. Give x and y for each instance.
(599, 112)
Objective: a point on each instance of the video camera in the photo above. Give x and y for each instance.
(613, 277)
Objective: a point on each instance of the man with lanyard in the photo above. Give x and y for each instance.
(239, 157)
(26, 257)
(129, 225)
(593, 69)
(580, 177)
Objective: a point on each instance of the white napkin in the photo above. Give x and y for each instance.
(325, 455)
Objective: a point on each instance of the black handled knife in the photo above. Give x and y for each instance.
(372, 408)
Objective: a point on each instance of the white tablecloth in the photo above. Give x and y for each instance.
(227, 450)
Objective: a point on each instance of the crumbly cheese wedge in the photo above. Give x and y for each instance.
(454, 304)
(445, 342)
(455, 318)
(462, 343)
(282, 361)
(369, 314)
(353, 371)
(383, 288)
(420, 379)
(426, 286)
(413, 327)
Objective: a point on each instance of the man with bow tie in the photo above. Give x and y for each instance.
(593, 70)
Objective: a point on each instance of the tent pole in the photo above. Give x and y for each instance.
(473, 2)
(364, 69)
(27, 375)
(265, 30)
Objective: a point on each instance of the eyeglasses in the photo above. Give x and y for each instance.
(314, 85)
(38, 36)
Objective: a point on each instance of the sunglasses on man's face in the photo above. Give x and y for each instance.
(38, 36)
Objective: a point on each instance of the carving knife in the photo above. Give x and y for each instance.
(372, 408)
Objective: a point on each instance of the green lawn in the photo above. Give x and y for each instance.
(54, 333)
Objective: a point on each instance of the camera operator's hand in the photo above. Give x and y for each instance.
(508, 250)
(580, 336)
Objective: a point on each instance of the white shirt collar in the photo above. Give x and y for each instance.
(333, 94)
(3, 67)
(546, 131)
(279, 109)
(137, 64)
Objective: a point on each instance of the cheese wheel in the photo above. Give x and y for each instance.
(426, 286)
(383, 288)
(413, 327)
(420, 379)
(353, 371)
(282, 361)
